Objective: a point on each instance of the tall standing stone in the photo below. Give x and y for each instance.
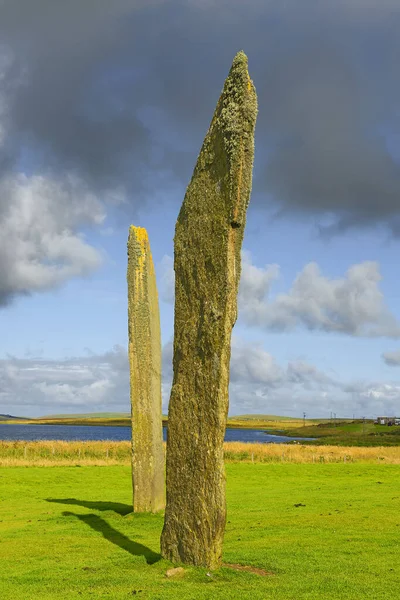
(145, 376)
(208, 239)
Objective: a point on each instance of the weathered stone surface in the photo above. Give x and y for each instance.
(145, 376)
(208, 238)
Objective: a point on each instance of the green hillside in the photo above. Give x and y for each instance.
(257, 417)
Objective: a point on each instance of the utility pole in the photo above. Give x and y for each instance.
(334, 419)
(363, 425)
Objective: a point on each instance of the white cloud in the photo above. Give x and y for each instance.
(392, 359)
(100, 382)
(40, 386)
(258, 384)
(252, 364)
(40, 246)
(353, 304)
(92, 382)
(95, 393)
(375, 397)
(255, 284)
(301, 372)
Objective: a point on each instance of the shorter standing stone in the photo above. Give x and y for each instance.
(145, 376)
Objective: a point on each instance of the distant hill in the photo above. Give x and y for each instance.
(10, 418)
(262, 418)
(99, 415)
(126, 415)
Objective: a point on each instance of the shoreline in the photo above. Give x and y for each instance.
(127, 423)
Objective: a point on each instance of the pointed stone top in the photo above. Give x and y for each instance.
(240, 59)
(238, 82)
(237, 110)
(239, 68)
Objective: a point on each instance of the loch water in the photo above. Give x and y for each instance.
(16, 432)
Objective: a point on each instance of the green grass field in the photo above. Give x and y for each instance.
(321, 531)
(345, 433)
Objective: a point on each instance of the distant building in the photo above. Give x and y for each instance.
(387, 421)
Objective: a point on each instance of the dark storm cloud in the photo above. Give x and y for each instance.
(89, 82)
(119, 95)
(65, 103)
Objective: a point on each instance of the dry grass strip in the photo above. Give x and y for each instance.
(52, 453)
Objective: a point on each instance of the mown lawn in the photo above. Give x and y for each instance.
(323, 531)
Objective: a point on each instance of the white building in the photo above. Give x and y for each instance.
(387, 421)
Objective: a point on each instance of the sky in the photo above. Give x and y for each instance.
(103, 109)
